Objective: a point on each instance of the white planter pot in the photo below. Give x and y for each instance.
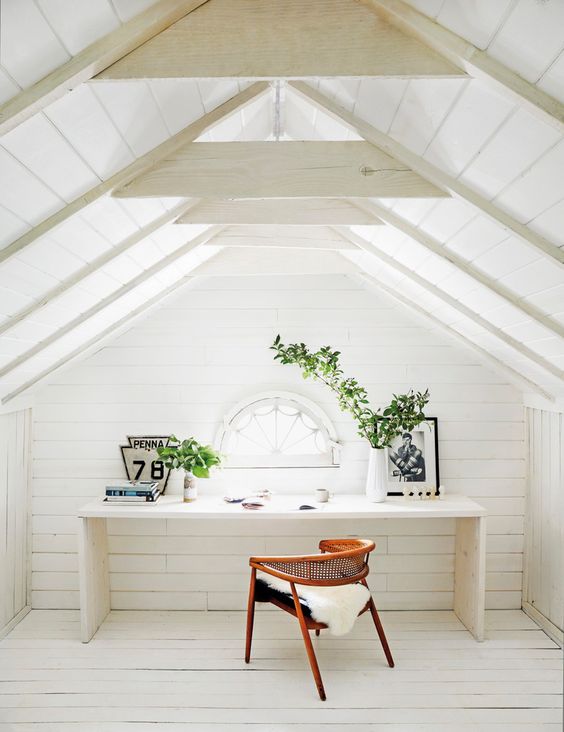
(190, 488)
(377, 476)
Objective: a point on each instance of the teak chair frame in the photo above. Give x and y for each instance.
(341, 562)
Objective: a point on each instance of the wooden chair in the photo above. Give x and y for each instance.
(341, 562)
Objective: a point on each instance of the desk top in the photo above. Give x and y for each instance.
(287, 507)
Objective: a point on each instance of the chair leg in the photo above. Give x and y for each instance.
(309, 647)
(250, 615)
(379, 628)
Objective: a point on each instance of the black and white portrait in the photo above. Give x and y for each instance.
(406, 458)
(413, 457)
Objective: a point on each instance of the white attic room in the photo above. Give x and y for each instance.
(281, 365)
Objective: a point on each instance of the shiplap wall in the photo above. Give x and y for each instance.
(206, 349)
(14, 514)
(543, 588)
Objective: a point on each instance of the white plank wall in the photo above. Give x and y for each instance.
(206, 349)
(14, 515)
(543, 588)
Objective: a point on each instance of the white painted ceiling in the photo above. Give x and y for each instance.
(460, 125)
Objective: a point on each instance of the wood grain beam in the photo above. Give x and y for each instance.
(447, 255)
(93, 59)
(290, 39)
(430, 172)
(456, 305)
(474, 61)
(279, 170)
(144, 163)
(281, 237)
(286, 211)
(514, 376)
(109, 299)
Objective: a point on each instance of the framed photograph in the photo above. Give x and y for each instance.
(414, 458)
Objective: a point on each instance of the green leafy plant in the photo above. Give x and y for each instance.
(190, 456)
(379, 427)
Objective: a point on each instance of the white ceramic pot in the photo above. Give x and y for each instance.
(377, 476)
(190, 488)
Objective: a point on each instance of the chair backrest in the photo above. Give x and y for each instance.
(342, 562)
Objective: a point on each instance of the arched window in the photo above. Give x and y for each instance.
(278, 430)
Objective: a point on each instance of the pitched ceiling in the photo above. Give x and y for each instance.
(485, 261)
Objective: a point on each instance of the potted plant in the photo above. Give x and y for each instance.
(378, 427)
(195, 459)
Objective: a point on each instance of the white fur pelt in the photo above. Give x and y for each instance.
(337, 607)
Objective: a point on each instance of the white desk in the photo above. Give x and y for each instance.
(470, 560)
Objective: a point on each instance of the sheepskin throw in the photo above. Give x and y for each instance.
(337, 607)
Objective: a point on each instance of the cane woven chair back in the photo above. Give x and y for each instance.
(341, 562)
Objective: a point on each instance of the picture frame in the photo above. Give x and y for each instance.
(414, 459)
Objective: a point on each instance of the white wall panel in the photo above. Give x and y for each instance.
(79, 23)
(15, 443)
(543, 587)
(531, 38)
(184, 366)
(85, 123)
(29, 48)
(44, 151)
(475, 20)
(552, 81)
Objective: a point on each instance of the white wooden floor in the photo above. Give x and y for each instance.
(176, 671)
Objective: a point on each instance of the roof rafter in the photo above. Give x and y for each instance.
(101, 261)
(98, 338)
(430, 172)
(514, 376)
(435, 246)
(93, 59)
(143, 164)
(111, 298)
(464, 311)
(475, 62)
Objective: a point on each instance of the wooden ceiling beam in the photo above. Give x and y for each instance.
(94, 266)
(474, 61)
(109, 299)
(377, 285)
(447, 255)
(285, 211)
(93, 59)
(281, 237)
(462, 309)
(271, 39)
(98, 339)
(279, 170)
(144, 163)
(430, 172)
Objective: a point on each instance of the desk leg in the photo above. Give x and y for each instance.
(470, 574)
(94, 577)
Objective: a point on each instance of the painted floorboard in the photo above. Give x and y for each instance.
(173, 671)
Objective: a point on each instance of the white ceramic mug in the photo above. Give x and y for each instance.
(322, 495)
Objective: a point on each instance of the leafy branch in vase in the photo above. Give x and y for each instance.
(379, 427)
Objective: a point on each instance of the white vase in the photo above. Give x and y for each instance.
(377, 476)
(190, 488)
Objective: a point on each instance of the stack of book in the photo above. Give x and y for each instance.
(133, 491)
